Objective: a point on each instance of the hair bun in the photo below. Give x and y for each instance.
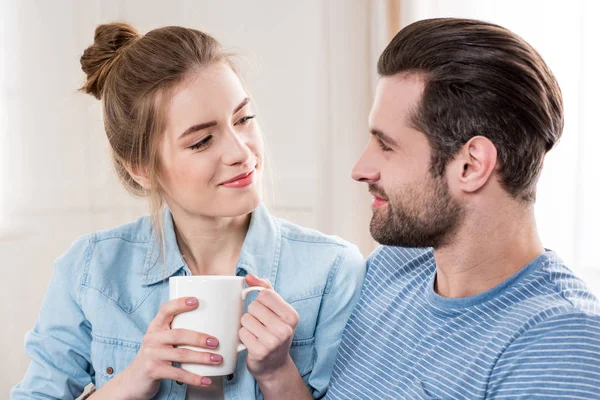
(98, 59)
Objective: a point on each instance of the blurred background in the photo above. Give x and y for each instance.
(310, 65)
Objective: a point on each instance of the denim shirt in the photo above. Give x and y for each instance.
(109, 285)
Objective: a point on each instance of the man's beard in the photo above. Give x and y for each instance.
(425, 215)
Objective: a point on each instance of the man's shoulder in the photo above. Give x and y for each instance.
(548, 299)
(560, 289)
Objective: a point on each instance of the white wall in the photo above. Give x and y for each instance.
(308, 69)
(311, 69)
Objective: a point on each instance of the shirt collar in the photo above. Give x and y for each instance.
(161, 265)
(261, 248)
(259, 254)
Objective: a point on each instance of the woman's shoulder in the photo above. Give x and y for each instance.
(138, 231)
(323, 254)
(104, 246)
(294, 232)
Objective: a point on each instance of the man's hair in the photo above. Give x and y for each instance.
(480, 79)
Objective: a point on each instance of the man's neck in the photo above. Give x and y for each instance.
(485, 252)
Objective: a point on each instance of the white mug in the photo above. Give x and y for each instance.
(219, 313)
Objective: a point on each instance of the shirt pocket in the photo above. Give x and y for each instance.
(308, 311)
(303, 353)
(110, 357)
(302, 349)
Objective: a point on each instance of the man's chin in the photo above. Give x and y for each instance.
(380, 232)
(386, 234)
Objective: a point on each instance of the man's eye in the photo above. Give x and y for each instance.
(383, 146)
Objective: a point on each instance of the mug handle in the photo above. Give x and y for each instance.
(245, 293)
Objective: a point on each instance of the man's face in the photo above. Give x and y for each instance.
(411, 207)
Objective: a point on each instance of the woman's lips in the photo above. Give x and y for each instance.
(240, 181)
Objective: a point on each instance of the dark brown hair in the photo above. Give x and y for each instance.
(480, 79)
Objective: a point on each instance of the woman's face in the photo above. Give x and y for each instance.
(211, 152)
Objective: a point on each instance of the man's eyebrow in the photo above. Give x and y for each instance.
(383, 137)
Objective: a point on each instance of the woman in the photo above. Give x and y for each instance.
(183, 133)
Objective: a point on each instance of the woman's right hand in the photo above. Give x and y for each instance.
(141, 379)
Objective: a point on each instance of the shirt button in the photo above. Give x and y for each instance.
(110, 370)
(229, 377)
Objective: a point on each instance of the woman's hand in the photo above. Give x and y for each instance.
(141, 379)
(267, 331)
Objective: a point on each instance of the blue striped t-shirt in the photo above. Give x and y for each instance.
(534, 336)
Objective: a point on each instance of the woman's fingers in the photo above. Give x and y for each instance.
(253, 280)
(166, 371)
(175, 337)
(270, 320)
(169, 310)
(274, 302)
(252, 343)
(182, 355)
(256, 328)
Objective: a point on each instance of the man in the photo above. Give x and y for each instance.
(463, 301)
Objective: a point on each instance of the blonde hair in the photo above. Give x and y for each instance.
(133, 75)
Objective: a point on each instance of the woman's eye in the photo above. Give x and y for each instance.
(201, 143)
(245, 119)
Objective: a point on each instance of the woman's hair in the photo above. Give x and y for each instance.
(133, 75)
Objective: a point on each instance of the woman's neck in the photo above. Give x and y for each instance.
(211, 245)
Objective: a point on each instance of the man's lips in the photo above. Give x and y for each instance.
(378, 202)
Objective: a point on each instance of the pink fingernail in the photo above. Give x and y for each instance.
(191, 301)
(216, 358)
(212, 342)
(206, 381)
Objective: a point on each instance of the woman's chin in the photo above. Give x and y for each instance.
(237, 205)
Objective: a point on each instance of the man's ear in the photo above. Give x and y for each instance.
(477, 161)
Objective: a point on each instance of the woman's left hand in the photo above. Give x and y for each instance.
(267, 331)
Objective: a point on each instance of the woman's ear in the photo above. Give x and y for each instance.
(139, 174)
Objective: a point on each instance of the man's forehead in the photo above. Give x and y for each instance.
(400, 87)
(396, 96)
